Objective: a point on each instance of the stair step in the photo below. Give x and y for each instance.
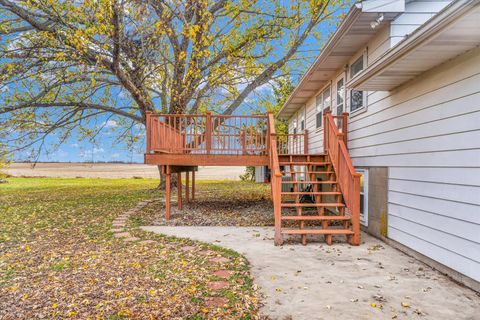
(317, 231)
(314, 218)
(310, 172)
(313, 193)
(293, 205)
(303, 163)
(309, 182)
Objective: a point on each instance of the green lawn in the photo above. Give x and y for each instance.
(58, 258)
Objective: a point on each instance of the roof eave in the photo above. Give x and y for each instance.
(347, 22)
(440, 21)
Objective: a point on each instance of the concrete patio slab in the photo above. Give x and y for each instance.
(372, 281)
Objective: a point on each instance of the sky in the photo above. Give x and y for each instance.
(105, 148)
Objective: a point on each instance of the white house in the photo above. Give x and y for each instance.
(408, 74)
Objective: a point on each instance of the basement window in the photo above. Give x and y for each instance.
(363, 196)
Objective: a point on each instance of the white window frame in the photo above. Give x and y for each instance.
(364, 215)
(322, 104)
(363, 108)
(302, 121)
(343, 96)
(319, 109)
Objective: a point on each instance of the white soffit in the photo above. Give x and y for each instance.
(452, 32)
(352, 34)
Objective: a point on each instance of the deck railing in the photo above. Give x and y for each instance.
(347, 177)
(207, 134)
(292, 143)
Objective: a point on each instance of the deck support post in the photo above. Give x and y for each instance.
(187, 192)
(193, 185)
(167, 193)
(179, 189)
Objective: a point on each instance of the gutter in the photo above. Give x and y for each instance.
(344, 27)
(435, 25)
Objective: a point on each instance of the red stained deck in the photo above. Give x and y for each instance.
(180, 143)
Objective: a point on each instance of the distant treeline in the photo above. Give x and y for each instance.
(122, 162)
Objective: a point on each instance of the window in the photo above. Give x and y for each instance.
(356, 67)
(318, 108)
(356, 100)
(327, 99)
(363, 196)
(340, 96)
(323, 103)
(294, 125)
(356, 96)
(302, 122)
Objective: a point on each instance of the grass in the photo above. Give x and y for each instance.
(58, 258)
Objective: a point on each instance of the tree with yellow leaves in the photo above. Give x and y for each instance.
(65, 64)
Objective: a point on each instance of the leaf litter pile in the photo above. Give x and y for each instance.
(217, 203)
(59, 259)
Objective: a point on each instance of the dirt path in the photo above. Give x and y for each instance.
(112, 170)
(372, 281)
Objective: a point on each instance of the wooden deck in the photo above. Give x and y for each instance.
(181, 143)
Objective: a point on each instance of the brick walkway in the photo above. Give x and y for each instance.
(120, 231)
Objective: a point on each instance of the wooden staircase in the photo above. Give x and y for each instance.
(316, 194)
(313, 202)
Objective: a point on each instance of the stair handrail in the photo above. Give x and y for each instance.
(275, 178)
(348, 179)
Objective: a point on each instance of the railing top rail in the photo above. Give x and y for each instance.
(204, 115)
(291, 134)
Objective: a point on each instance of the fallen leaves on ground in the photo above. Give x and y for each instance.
(58, 258)
(226, 203)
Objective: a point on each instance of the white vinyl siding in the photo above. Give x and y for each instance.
(428, 133)
(416, 13)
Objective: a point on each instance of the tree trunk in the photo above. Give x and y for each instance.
(162, 184)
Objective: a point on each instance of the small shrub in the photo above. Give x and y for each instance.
(249, 174)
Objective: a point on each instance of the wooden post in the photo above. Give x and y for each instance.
(355, 239)
(267, 140)
(179, 188)
(193, 185)
(187, 195)
(277, 210)
(244, 141)
(344, 127)
(305, 141)
(325, 132)
(167, 193)
(208, 132)
(149, 130)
